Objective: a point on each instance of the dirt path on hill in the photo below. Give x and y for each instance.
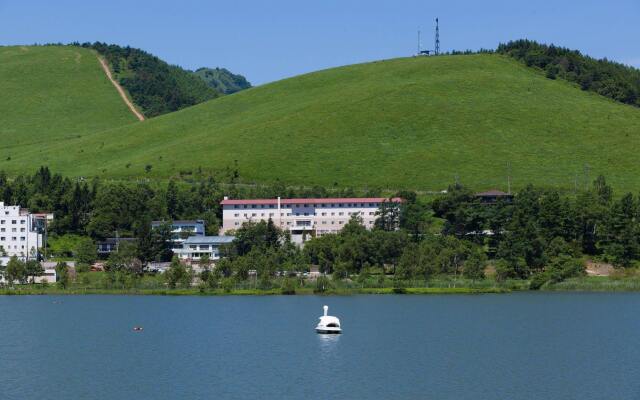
(120, 90)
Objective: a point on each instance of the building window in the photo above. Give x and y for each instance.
(236, 215)
(22, 238)
(236, 206)
(253, 214)
(372, 213)
(22, 221)
(204, 247)
(22, 229)
(13, 238)
(13, 221)
(237, 223)
(14, 230)
(340, 213)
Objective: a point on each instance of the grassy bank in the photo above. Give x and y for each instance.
(97, 283)
(34, 290)
(597, 284)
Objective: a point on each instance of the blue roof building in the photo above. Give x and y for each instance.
(182, 229)
(194, 247)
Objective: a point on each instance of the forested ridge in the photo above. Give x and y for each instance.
(607, 78)
(157, 87)
(223, 80)
(154, 85)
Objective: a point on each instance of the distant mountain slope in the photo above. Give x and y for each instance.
(155, 87)
(223, 80)
(51, 93)
(404, 123)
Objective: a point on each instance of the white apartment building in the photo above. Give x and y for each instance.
(20, 232)
(194, 247)
(303, 218)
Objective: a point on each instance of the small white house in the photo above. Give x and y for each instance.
(194, 247)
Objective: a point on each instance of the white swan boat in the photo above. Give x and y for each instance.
(328, 323)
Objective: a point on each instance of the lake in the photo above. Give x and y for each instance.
(509, 346)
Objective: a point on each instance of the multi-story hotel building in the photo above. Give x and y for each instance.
(303, 218)
(21, 233)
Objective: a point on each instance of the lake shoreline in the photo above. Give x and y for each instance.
(601, 286)
(249, 292)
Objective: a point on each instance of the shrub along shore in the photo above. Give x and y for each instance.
(154, 286)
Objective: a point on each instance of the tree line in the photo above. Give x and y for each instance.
(539, 234)
(607, 78)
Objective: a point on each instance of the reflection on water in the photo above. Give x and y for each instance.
(328, 344)
(329, 349)
(327, 339)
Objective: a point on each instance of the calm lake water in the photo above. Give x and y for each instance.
(516, 346)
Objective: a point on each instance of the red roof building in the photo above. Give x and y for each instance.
(303, 218)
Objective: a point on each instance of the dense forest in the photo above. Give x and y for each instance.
(607, 78)
(223, 80)
(540, 235)
(155, 86)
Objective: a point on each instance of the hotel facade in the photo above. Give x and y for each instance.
(303, 218)
(21, 232)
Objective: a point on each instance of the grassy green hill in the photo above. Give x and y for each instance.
(412, 123)
(51, 94)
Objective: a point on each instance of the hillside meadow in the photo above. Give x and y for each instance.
(52, 94)
(417, 123)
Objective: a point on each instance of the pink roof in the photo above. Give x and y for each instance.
(312, 201)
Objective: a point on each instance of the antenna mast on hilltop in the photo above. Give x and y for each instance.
(419, 44)
(437, 48)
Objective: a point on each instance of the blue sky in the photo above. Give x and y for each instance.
(271, 40)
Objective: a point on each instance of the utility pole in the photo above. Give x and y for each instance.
(437, 48)
(586, 176)
(509, 177)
